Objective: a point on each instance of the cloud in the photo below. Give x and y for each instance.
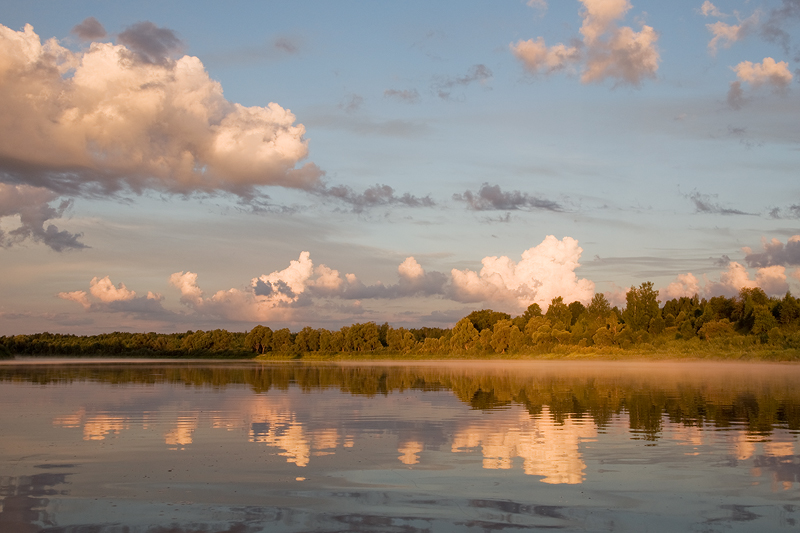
(792, 211)
(287, 45)
(351, 103)
(89, 30)
(774, 253)
(544, 272)
(104, 296)
(773, 29)
(769, 72)
(269, 297)
(414, 281)
(32, 205)
(477, 73)
(408, 96)
(710, 10)
(706, 203)
(735, 96)
(149, 43)
(491, 197)
(538, 58)
(281, 294)
(605, 50)
(724, 34)
(375, 196)
(684, 285)
(117, 117)
(538, 4)
(771, 279)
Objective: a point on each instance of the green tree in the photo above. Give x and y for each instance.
(464, 336)
(559, 314)
(642, 307)
(486, 318)
(522, 320)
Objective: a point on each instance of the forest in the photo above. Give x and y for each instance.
(748, 325)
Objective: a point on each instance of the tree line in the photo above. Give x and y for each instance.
(749, 319)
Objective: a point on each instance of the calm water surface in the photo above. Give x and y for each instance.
(179, 447)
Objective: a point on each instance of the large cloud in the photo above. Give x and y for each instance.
(605, 51)
(544, 272)
(104, 296)
(32, 206)
(132, 117)
(771, 279)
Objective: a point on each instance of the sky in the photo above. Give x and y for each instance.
(167, 166)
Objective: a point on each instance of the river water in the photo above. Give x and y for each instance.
(91, 446)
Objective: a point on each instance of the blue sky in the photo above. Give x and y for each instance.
(609, 141)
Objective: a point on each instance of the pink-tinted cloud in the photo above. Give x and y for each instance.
(606, 51)
(544, 272)
(771, 279)
(134, 117)
(104, 296)
(724, 35)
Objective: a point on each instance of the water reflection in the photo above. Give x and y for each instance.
(305, 445)
(548, 448)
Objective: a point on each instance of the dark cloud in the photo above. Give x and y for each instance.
(376, 196)
(428, 284)
(444, 87)
(287, 45)
(774, 29)
(269, 288)
(408, 96)
(351, 103)
(32, 205)
(721, 262)
(775, 253)
(793, 211)
(149, 43)
(491, 198)
(89, 30)
(140, 307)
(707, 203)
(735, 96)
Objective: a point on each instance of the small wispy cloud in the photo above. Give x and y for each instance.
(408, 96)
(375, 196)
(443, 87)
(493, 198)
(708, 204)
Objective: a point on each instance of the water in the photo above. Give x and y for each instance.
(179, 447)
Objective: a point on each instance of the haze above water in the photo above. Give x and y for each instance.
(107, 446)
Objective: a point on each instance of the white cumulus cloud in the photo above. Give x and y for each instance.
(115, 117)
(543, 273)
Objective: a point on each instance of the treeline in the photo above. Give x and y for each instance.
(725, 398)
(749, 320)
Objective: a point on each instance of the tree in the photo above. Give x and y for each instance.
(559, 313)
(576, 309)
(464, 336)
(486, 318)
(522, 320)
(642, 307)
